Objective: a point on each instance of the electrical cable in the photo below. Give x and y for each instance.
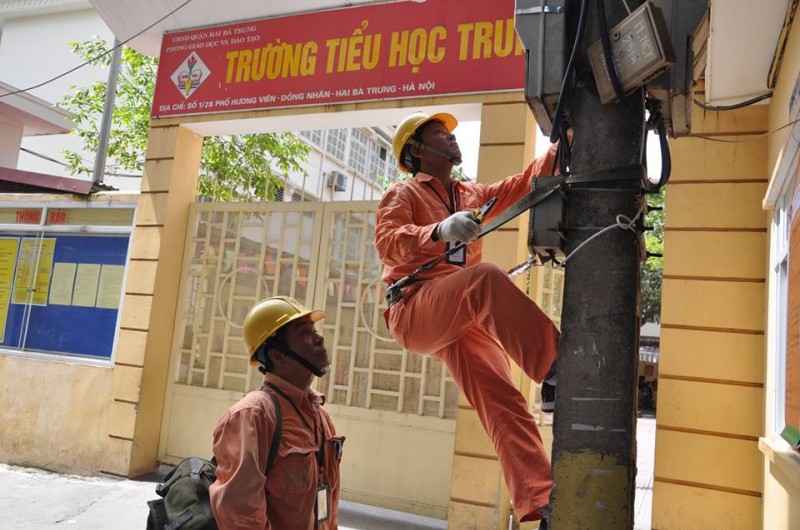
(622, 221)
(558, 117)
(93, 59)
(734, 106)
(666, 158)
(360, 310)
(656, 122)
(45, 157)
(609, 59)
(559, 130)
(643, 137)
(756, 137)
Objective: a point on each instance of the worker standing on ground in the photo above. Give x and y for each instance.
(301, 489)
(467, 314)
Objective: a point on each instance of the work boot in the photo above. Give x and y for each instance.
(549, 389)
(544, 523)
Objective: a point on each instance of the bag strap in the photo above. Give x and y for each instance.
(277, 433)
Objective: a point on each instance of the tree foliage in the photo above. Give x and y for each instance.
(245, 167)
(652, 267)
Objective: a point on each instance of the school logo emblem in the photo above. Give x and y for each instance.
(190, 75)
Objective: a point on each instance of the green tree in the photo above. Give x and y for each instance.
(245, 167)
(652, 267)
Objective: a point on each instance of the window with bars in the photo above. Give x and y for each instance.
(312, 136)
(240, 255)
(336, 143)
(392, 171)
(377, 160)
(238, 258)
(369, 369)
(359, 144)
(786, 278)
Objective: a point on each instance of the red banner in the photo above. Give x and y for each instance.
(383, 51)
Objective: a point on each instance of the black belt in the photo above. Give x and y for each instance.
(395, 294)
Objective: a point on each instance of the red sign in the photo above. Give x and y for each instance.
(57, 217)
(29, 217)
(384, 51)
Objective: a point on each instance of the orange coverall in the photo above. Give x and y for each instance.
(242, 498)
(472, 318)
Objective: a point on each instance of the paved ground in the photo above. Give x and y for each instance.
(31, 499)
(36, 500)
(645, 456)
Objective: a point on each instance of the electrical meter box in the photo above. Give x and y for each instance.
(688, 24)
(542, 29)
(545, 230)
(641, 49)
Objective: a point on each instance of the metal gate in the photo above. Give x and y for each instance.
(384, 399)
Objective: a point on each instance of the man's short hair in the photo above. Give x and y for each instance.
(277, 342)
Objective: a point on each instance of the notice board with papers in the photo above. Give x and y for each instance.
(61, 293)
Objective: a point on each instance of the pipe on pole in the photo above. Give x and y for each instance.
(108, 111)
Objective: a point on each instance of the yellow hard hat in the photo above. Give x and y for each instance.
(268, 316)
(409, 126)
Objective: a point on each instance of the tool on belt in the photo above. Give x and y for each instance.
(393, 293)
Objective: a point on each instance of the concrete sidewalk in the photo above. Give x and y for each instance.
(31, 499)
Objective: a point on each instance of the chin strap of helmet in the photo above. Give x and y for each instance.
(298, 359)
(419, 145)
(311, 368)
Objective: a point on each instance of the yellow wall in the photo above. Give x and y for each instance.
(711, 373)
(781, 465)
(54, 415)
(59, 415)
(719, 463)
(168, 188)
(391, 482)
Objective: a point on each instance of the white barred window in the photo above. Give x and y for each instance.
(392, 171)
(336, 143)
(358, 151)
(314, 136)
(377, 160)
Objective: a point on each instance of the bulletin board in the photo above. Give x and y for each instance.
(61, 293)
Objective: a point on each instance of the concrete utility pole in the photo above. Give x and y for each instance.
(594, 449)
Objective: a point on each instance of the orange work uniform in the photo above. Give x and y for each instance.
(472, 318)
(242, 497)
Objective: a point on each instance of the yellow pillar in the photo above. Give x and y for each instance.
(151, 292)
(478, 496)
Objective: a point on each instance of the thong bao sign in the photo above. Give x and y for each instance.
(384, 51)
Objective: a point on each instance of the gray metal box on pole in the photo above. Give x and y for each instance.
(541, 27)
